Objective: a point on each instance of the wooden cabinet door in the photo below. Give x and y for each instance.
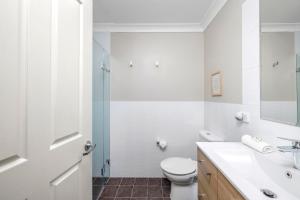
(207, 176)
(202, 194)
(225, 190)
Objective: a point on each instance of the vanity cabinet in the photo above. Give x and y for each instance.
(212, 184)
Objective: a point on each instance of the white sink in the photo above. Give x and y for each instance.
(250, 171)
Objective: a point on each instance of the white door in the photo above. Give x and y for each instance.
(45, 99)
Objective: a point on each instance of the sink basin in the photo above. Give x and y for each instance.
(250, 171)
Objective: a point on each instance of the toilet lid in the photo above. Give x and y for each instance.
(179, 166)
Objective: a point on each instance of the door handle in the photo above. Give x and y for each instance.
(88, 148)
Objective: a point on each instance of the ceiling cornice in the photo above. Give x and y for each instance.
(147, 27)
(280, 27)
(211, 13)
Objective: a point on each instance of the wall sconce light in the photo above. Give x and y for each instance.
(156, 64)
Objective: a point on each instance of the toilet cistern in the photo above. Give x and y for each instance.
(208, 136)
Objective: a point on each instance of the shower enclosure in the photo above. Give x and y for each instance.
(298, 88)
(101, 111)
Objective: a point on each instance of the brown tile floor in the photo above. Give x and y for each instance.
(97, 187)
(136, 189)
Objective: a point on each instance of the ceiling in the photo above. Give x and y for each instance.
(151, 11)
(280, 11)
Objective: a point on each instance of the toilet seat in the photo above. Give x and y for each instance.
(179, 166)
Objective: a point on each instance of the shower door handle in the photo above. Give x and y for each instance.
(88, 148)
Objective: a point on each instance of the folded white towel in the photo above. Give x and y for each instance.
(257, 144)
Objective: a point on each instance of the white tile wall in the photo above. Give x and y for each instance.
(135, 126)
(219, 117)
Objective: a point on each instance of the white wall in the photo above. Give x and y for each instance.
(219, 117)
(223, 52)
(178, 78)
(135, 126)
(150, 102)
(224, 124)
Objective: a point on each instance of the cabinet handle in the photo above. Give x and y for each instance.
(208, 174)
(202, 196)
(201, 161)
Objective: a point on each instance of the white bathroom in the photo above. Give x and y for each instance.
(150, 100)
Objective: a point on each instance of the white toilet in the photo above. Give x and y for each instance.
(182, 172)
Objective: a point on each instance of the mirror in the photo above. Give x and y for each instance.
(280, 60)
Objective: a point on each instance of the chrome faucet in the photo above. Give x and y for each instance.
(295, 149)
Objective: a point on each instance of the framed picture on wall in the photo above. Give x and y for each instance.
(216, 84)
